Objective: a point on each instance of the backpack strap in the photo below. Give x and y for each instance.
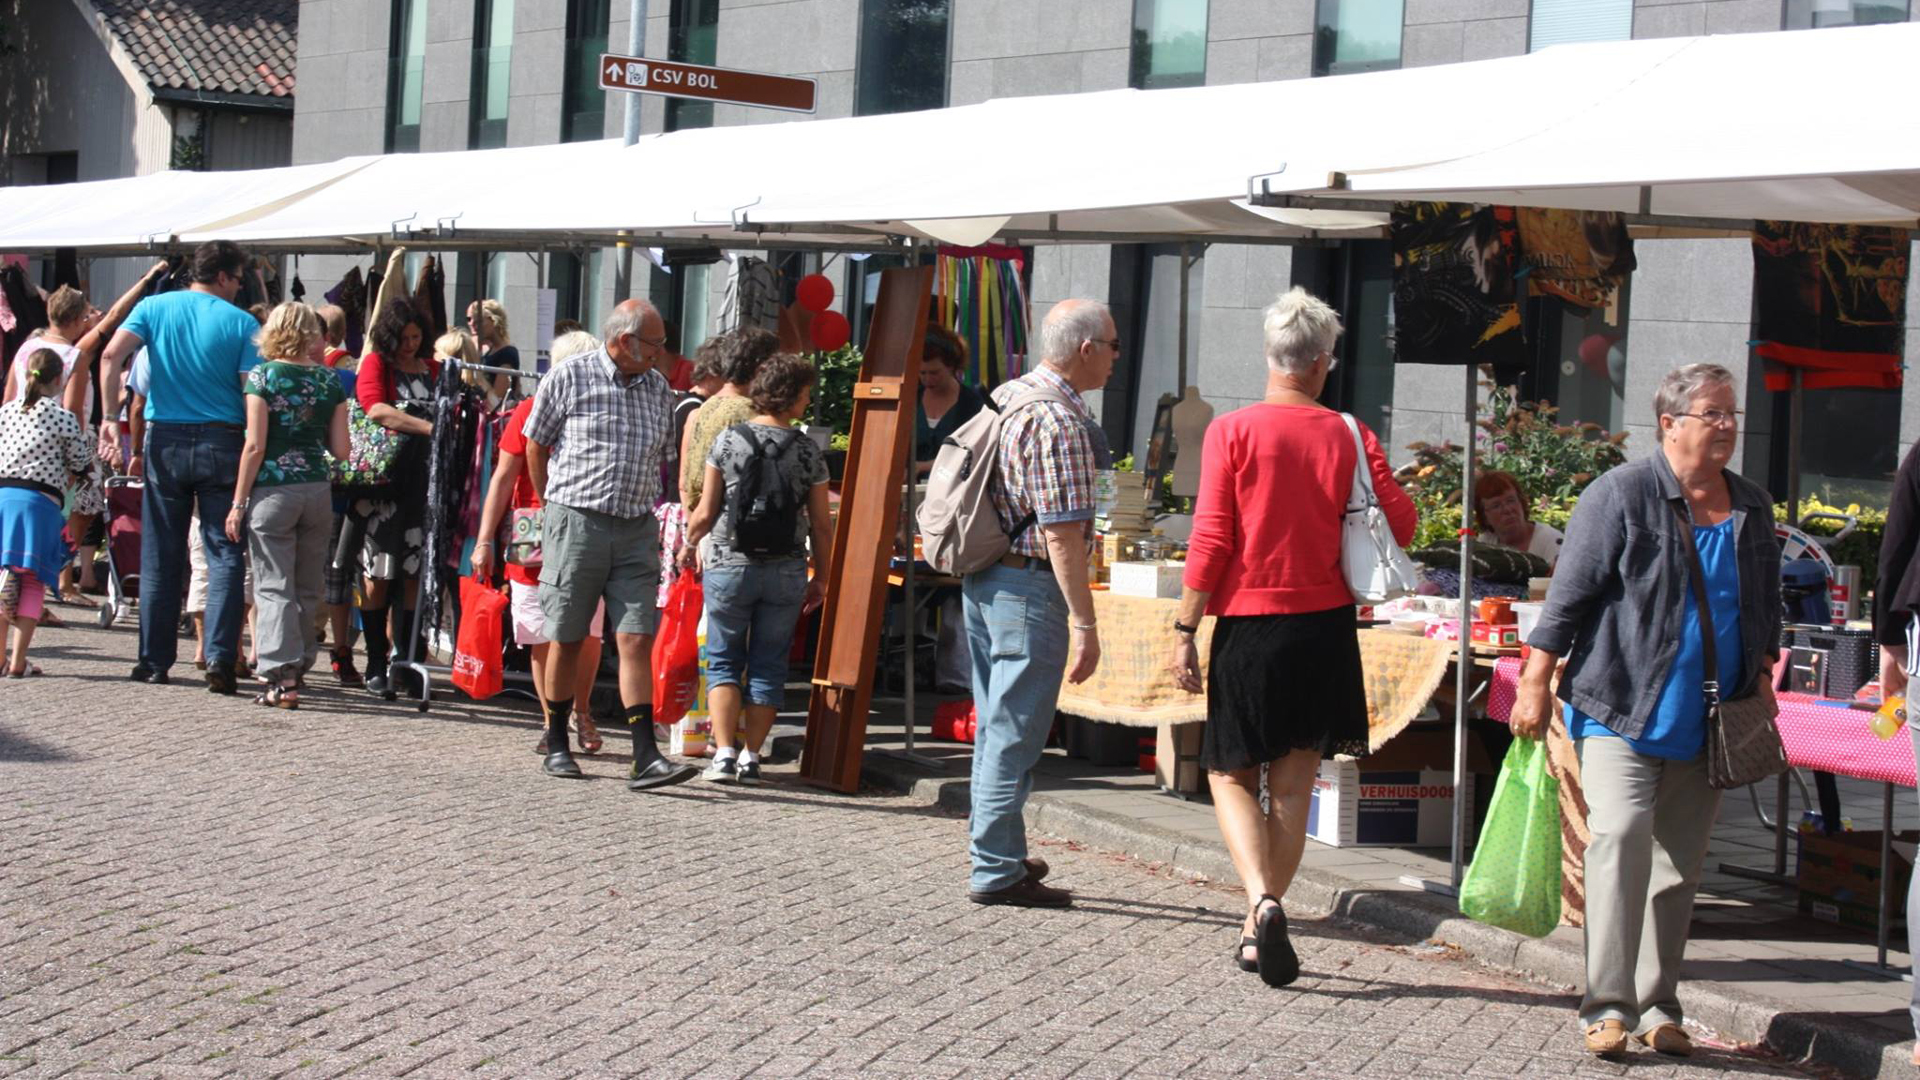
(1034, 395)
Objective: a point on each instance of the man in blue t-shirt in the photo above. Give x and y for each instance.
(200, 346)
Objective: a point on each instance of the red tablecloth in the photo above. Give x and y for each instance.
(1827, 737)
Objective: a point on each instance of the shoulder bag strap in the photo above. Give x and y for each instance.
(1697, 578)
(1362, 496)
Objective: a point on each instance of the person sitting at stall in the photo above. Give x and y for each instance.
(945, 401)
(487, 322)
(1505, 516)
(512, 489)
(395, 387)
(763, 498)
(1647, 541)
(283, 500)
(1284, 683)
(741, 354)
(43, 451)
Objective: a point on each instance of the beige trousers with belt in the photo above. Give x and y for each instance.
(1651, 819)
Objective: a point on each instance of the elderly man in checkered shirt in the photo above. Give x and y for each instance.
(1025, 611)
(595, 438)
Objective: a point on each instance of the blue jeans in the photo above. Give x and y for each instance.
(1017, 633)
(751, 613)
(189, 463)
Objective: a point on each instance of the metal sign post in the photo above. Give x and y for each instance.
(639, 75)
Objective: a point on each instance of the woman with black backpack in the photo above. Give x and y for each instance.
(763, 496)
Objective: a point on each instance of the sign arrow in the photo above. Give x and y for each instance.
(613, 72)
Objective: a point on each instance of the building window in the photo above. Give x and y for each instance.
(406, 66)
(693, 37)
(903, 56)
(583, 108)
(1818, 14)
(1356, 35)
(492, 62)
(1169, 44)
(1563, 22)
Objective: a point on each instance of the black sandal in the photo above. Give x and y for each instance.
(1240, 954)
(1278, 964)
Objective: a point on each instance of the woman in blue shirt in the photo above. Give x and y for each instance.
(1622, 610)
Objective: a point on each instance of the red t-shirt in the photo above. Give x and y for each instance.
(1274, 481)
(335, 354)
(513, 441)
(374, 384)
(679, 372)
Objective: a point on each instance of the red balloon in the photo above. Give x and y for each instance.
(830, 330)
(814, 292)
(1593, 352)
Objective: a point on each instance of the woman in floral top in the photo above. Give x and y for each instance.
(296, 414)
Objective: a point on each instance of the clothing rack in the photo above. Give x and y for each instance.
(446, 393)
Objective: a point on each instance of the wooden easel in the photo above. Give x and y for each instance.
(883, 413)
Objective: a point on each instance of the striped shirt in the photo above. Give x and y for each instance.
(607, 432)
(1048, 453)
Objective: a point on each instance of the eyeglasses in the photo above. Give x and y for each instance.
(1716, 417)
(1332, 360)
(1111, 343)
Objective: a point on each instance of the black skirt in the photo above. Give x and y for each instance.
(1280, 683)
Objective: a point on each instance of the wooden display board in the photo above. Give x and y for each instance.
(883, 413)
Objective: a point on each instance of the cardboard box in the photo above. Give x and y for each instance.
(1157, 580)
(1401, 796)
(1839, 877)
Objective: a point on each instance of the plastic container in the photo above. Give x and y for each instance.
(1526, 613)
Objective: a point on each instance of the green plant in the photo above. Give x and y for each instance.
(1861, 548)
(833, 393)
(1553, 462)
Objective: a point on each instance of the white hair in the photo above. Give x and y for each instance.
(1683, 384)
(1299, 327)
(570, 344)
(1067, 326)
(626, 318)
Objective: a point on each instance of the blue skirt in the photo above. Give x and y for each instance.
(32, 534)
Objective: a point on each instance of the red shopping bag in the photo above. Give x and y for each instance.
(676, 650)
(476, 653)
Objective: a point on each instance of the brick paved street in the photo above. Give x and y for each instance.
(191, 885)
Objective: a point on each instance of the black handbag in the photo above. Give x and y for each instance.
(1743, 739)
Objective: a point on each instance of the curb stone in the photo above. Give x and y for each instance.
(1832, 1041)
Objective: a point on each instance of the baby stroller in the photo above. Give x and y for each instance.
(124, 495)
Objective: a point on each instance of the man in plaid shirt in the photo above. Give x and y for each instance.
(595, 438)
(1023, 612)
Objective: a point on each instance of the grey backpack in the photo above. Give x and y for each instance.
(960, 531)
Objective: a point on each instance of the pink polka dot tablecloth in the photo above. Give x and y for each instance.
(1827, 736)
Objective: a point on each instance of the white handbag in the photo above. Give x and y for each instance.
(1375, 567)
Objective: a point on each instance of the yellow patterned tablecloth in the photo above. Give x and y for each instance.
(1133, 686)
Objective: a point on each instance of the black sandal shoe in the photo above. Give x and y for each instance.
(1278, 964)
(1240, 954)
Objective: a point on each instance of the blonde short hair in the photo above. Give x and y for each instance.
(289, 332)
(571, 344)
(496, 314)
(333, 319)
(1299, 327)
(66, 306)
(457, 345)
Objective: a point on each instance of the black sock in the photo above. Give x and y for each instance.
(640, 726)
(559, 710)
(373, 627)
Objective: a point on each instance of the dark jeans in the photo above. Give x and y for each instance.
(189, 464)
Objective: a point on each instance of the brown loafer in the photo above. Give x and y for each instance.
(1037, 869)
(1027, 893)
(1608, 1038)
(1667, 1039)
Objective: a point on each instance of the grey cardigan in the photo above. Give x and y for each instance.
(1620, 587)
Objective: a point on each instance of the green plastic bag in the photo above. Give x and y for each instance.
(1514, 882)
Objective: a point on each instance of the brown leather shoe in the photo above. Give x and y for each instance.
(1037, 869)
(1667, 1039)
(1608, 1038)
(1028, 893)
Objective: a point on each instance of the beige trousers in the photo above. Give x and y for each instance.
(1651, 820)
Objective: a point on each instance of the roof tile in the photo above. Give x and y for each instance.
(234, 46)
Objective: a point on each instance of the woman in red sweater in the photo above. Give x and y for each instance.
(1284, 683)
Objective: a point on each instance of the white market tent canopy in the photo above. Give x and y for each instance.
(1808, 126)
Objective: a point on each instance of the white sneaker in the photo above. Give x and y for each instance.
(723, 771)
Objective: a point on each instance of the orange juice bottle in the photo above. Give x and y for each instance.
(1891, 717)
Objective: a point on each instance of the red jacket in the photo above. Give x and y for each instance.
(1274, 481)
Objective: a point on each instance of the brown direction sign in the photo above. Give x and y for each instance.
(640, 75)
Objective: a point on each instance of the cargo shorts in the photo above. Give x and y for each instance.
(586, 556)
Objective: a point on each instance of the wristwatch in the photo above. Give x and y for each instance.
(1183, 628)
